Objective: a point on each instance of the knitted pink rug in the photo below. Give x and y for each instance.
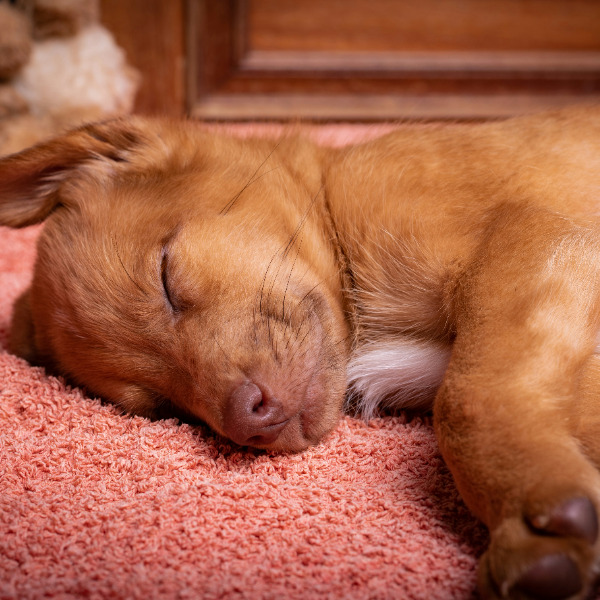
(98, 505)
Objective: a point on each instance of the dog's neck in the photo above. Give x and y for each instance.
(395, 280)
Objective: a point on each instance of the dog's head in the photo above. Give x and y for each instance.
(183, 270)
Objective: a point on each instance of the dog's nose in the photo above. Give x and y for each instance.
(253, 417)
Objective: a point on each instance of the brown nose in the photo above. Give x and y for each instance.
(253, 417)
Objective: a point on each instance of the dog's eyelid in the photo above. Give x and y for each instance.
(172, 301)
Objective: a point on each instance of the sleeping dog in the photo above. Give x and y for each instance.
(256, 284)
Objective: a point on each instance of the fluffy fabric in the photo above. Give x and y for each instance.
(96, 504)
(85, 73)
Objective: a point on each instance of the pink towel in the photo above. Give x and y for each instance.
(95, 504)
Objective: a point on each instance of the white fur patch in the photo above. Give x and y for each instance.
(403, 373)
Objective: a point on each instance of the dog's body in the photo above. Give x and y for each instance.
(248, 283)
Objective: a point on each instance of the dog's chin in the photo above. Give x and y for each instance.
(318, 413)
(301, 432)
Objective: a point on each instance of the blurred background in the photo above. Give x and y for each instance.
(325, 60)
(359, 59)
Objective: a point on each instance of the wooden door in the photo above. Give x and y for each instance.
(376, 59)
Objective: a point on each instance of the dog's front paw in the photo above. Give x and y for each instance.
(545, 554)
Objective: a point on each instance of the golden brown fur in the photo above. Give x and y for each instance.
(219, 278)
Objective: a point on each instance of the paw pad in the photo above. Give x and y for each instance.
(574, 518)
(552, 577)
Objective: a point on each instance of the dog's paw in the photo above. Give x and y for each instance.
(547, 553)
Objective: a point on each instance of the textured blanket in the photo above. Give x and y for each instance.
(94, 504)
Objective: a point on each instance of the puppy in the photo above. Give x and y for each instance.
(253, 284)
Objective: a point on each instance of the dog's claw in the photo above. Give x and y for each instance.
(574, 518)
(552, 577)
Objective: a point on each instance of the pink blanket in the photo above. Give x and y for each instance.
(94, 504)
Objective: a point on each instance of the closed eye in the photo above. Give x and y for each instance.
(164, 276)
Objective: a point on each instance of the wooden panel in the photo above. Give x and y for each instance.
(425, 25)
(454, 107)
(358, 59)
(152, 34)
(213, 35)
(374, 59)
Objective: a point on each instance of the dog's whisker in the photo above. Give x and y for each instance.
(287, 285)
(250, 181)
(291, 359)
(216, 340)
(301, 223)
(254, 325)
(264, 279)
(137, 285)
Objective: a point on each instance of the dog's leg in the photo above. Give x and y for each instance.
(586, 418)
(527, 318)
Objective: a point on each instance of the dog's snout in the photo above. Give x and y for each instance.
(253, 417)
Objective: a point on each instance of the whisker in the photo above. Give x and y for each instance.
(254, 325)
(250, 181)
(137, 285)
(262, 287)
(221, 348)
(273, 283)
(301, 223)
(298, 329)
(309, 293)
(291, 242)
(299, 345)
(287, 285)
(342, 340)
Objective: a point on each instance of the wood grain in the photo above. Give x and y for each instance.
(152, 34)
(359, 59)
(371, 108)
(381, 59)
(425, 25)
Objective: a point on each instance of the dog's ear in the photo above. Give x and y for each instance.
(21, 340)
(30, 180)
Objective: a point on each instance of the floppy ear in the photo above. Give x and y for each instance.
(30, 180)
(21, 340)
